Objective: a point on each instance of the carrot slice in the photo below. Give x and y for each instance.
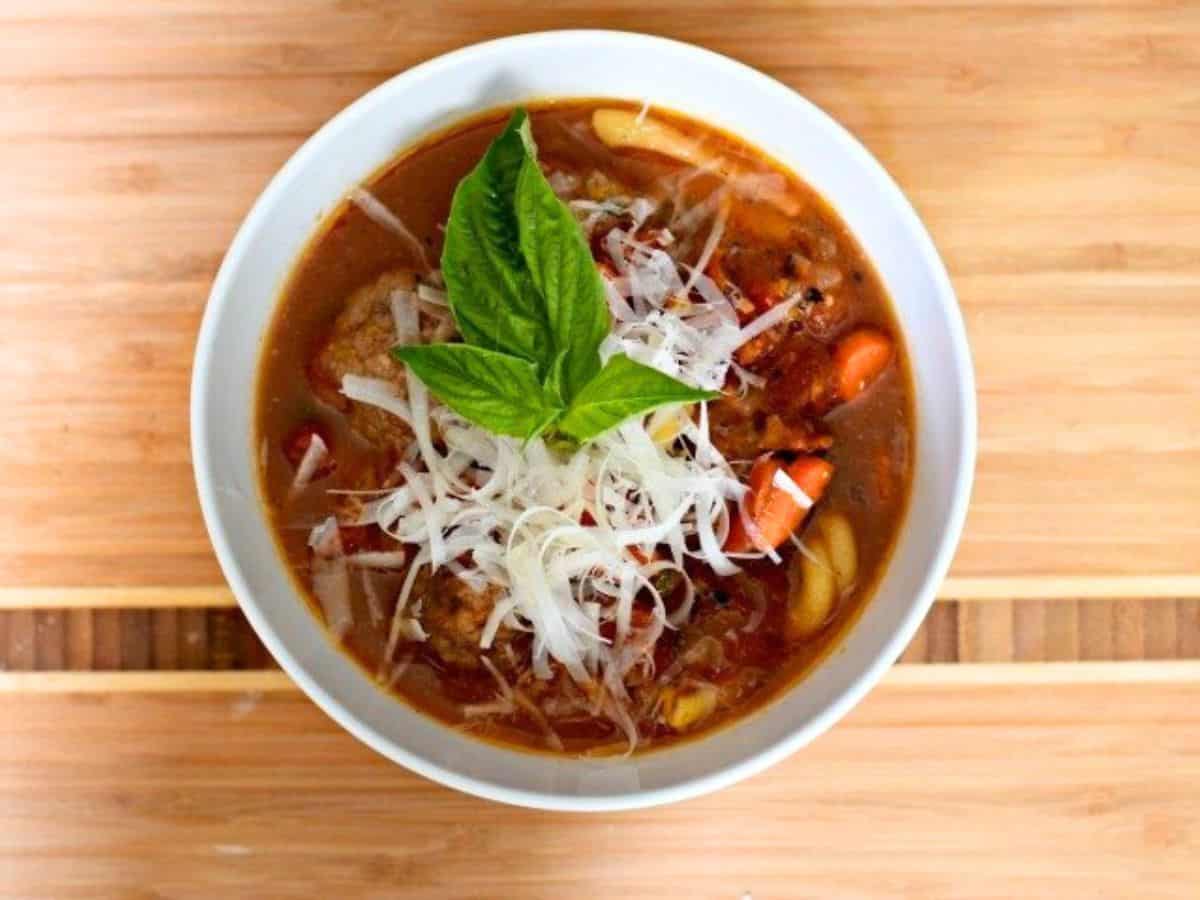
(859, 359)
(773, 510)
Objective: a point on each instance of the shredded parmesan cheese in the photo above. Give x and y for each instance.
(390, 559)
(768, 320)
(785, 483)
(314, 455)
(331, 577)
(571, 541)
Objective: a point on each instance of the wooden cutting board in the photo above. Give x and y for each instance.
(1051, 148)
(925, 791)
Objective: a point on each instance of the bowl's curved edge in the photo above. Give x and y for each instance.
(584, 802)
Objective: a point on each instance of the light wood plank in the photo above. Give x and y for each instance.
(139, 682)
(305, 38)
(117, 598)
(326, 39)
(1057, 587)
(187, 795)
(133, 113)
(951, 675)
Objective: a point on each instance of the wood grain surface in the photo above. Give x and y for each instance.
(1042, 739)
(1050, 147)
(983, 792)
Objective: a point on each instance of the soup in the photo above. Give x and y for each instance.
(585, 507)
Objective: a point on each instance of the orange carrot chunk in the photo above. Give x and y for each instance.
(772, 509)
(859, 359)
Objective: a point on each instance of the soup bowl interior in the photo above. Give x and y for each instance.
(428, 98)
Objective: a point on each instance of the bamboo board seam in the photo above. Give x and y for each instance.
(931, 675)
(1070, 587)
(983, 588)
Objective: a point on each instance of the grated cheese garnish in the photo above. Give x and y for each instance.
(573, 540)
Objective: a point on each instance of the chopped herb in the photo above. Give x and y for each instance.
(666, 581)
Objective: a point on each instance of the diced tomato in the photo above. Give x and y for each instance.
(295, 445)
(640, 555)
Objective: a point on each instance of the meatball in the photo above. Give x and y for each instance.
(744, 427)
(359, 344)
(803, 377)
(453, 614)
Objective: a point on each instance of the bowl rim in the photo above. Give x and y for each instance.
(548, 800)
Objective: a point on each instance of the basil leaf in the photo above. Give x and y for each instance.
(530, 305)
(491, 294)
(560, 264)
(555, 379)
(623, 388)
(499, 392)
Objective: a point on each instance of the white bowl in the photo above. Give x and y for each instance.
(711, 88)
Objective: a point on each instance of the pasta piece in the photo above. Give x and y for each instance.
(622, 128)
(812, 590)
(843, 552)
(684, 708)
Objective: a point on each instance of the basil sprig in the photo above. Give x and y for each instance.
(529, 303)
